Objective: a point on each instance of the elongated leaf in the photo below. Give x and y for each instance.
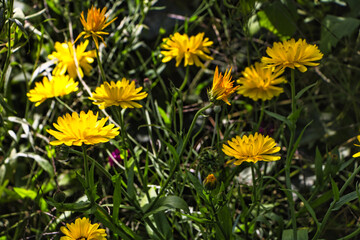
(77, 207)
(43, 163)
(345, 199)
(278, 117)
(308, 207)
(335, 190)
(117, 198)
(302, 91)
(334, 28)
(168, 202)
(302, 234)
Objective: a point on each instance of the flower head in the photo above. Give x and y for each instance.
(258, 82)
(57, 87)
(251, 148)
(84, 230)
(210, 181)
(64, 57)
(222, 86)
(122, 93)
(357, 154)
(292, 54)
(180, 46)
(94, 24)
(84, 128)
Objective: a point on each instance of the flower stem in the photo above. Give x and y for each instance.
(183, 84)
(100, 65)
(290, 155)
(215, 133)
(192, 126)
(261, 116)
(86, 166)
(64, 104)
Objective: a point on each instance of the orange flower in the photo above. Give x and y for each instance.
(222, 86)
(95, 24)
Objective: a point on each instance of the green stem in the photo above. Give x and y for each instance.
(86, 166)
(192, 126)
(290, 155)
(7, 61)
(100, 65)
(64, 104)
(173, 170)
(261, 116)
(215, 127)
(183, 85)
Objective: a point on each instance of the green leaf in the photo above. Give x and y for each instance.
(345, 199)
(43, 163)
(302, 91)
(123, 231)
(334, 29)
(197, 185)
(77, 207)
(7, 107)
(164, 116)
(302, 234)
(198, 220)
(277, 18)
(55, 7)
(278, 117)
(225, 221)
(168, 202)
(23, 193)
(308, 207)
(335, 190)
(20, 25)
(117, 198)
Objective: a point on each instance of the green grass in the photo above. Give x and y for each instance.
(175, 140)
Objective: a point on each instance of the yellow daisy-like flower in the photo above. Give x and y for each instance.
(357, 154)
(292, 54)
(210, 181)
(84, 128)
(122, 93)
(258, 82)
(251, 149)
(180, 46)
(222, 86)
(57, 87)
(94, 24)
(64, 57)
(82, 229)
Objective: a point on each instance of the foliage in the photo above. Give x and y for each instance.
(156, 186)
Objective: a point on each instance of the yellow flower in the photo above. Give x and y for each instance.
(95, 24)
(64, 56)
(84, 230)
(84, 128)
(210, 182)
(251, 149)
(222, 86)
(122, 93)
(258, 82)
(191, 49)
(357, 154)
(292, 54)
(57, 87)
